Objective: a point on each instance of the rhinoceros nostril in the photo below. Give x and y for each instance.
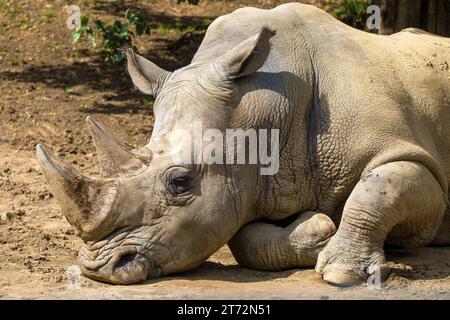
(131, 268)
(126, 259)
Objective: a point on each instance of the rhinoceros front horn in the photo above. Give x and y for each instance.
(115, 155)
(85, 202)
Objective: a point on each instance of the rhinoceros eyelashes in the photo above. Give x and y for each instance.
(114, 155)
(179, 180)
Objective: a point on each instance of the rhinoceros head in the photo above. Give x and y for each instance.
(150, 214)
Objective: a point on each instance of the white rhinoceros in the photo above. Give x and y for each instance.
(364, 145)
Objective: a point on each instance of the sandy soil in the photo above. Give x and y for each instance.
(48, 87)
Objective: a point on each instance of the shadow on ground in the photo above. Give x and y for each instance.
(411, 264)
(232, 273)
(431, 265)
(112, 78)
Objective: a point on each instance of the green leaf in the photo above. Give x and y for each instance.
(69, 90)
(84, 20)
(133, 18)
(76, 36)
(99, 25)
(147, 102)
(142, 28)
(118, 57)
(92, 40)
(113, 35)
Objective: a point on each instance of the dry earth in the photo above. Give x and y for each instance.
(48, 87)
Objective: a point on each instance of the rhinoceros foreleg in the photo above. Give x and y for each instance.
(264, 246)
(399, 203)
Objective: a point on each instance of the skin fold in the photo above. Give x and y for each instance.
(364, 153)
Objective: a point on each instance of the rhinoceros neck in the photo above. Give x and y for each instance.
(278, 96)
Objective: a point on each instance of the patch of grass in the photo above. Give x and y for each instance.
(207, 21)
(147, 102)
(14, 10)
(82, 52)
(70, 90)
(11, 9)
(13, 60)
(56, 51)
(166, 28)
(23, 24)
(48, 15)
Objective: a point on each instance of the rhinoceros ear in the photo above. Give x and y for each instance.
(247, 57)
(146, 76)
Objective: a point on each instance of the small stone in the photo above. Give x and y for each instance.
(143, 131)
(45, 195)
(7, 216)
(69, 232)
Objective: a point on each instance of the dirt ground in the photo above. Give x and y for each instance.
(48, 87)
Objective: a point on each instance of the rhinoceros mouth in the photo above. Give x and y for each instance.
(117, 259)
(127, 267)
(131, 268)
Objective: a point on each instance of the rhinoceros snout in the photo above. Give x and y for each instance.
(129, 268)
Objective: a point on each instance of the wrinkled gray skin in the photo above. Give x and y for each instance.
(365, 146)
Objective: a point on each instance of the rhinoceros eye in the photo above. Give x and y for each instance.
(179, 181)
(179, 185)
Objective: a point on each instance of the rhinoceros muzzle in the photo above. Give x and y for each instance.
(127, 267)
